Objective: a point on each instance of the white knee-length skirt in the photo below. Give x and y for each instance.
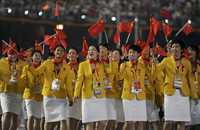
(111, 109)
(94, 109)
(152, 111)
(11, 102)
(135, 110)
(195, 112)
(34, 108)
(177, 107)
(55, 109)
(119, 110)
(74, 111)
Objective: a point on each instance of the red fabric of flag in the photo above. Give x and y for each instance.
(125, 27)
(188, 29)
(116, 38)
(85, 47)
(167, 29)
(96, 28)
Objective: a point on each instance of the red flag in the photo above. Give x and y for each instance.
(51, 42)
(96, 28)
(116, 38)
(153, 30)
(125, 27)
(188, 29)
(167, 29)
(57, 9)
(155, 24)
(165, 14)
(151, 36)
(61, 38)
(85, 47)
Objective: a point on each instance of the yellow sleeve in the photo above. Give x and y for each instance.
(193, 89)
(79, 82)
(122, 71)
(69, 87)
(41, 69)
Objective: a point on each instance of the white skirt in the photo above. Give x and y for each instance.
(94, 109)
(34, 108)
(135, 110)
(152, 111)
(111, 109)
(177, 107)
(120, 110)
(75, 110)
(55, 109)
(11, 102)
(195, 112)
(24, 111)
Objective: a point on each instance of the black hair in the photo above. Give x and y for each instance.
(135, 48)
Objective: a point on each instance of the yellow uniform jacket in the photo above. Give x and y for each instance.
(168, 67)
(89, 80)
(34, 82)
(5, 75)
(138, 72)
(48, 71)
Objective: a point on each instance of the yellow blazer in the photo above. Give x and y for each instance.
(85, 79)
(168, 66)
(5, 76)
(73, 79)
(140, 70)
(30, 76)
(47, 70)
(196, 83)
(113, 73)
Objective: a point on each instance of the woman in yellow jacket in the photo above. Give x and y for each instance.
(195, 102)
(177, 87)
(116, 90)
(134, 91)
(32, 94)
(74, 111)
(56, 89)
(90, 88)
(11, 89)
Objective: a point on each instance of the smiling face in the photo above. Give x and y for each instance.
(92, 53)
(116, 56)
(176, 50)
(103, 52)
(72, 55)
(59, 52)
(12, 57)
(133, 55)
(37, 57)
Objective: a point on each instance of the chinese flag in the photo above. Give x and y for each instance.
(188, 29)
(61, 38)
(167, 29)
(153, 30)
(151, 36)
(116, 38)
(125, 27)
(155, 24)
(85, 47)
(57, 9)
(51, 42)
(96, 28)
